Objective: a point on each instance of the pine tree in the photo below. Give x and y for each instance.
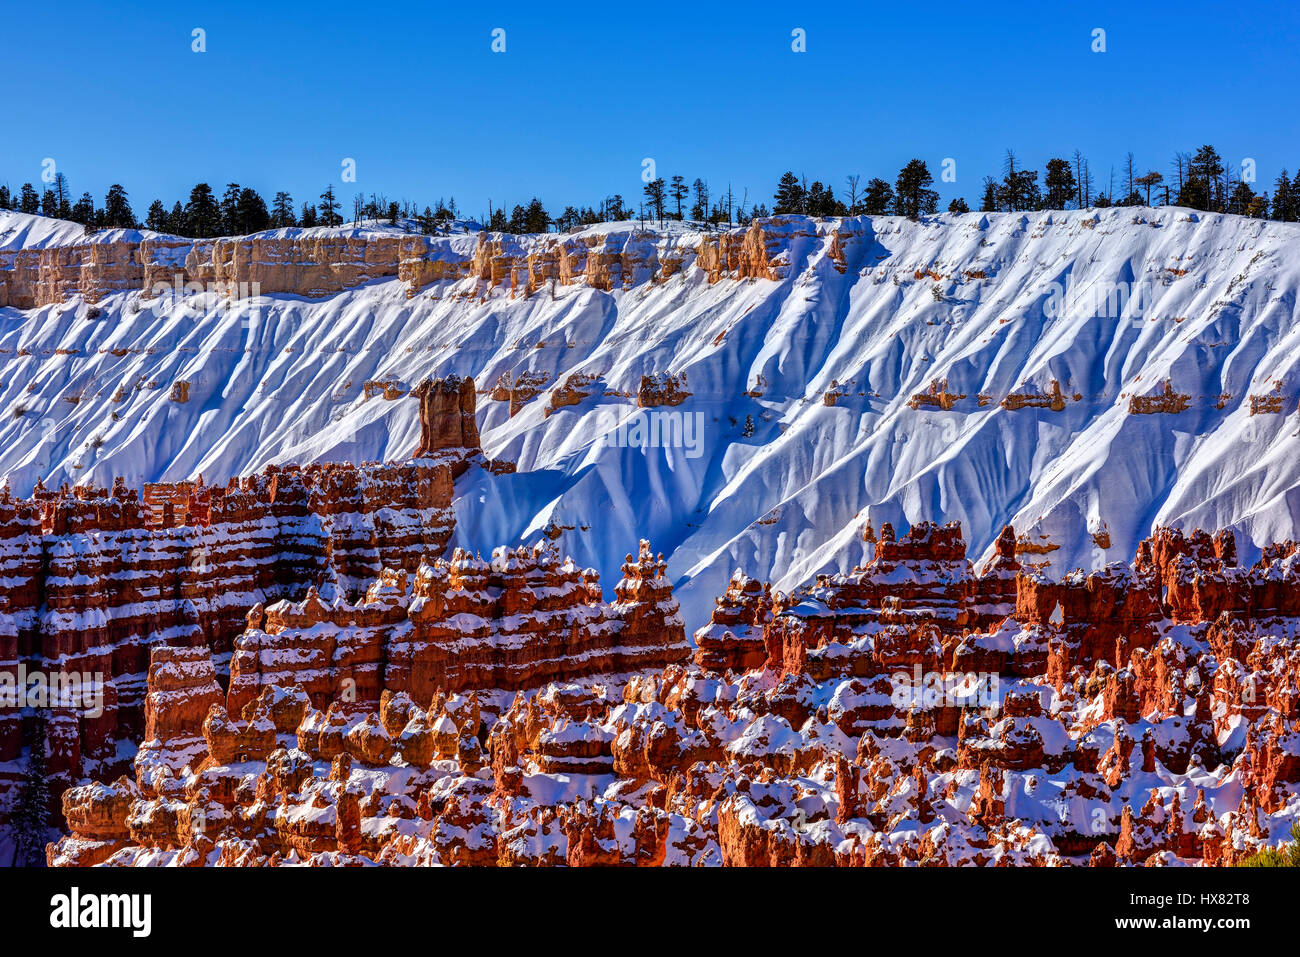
(30, 822)
(567, 220)
(83, 211)
(878, 199)
(156, 218)
(678, 190)
(816, 199)
(202, 214)
(176, 219)
(1202, 188)
(63, 195)
(536, 219)
(655, 194)
(1242, 198)
(6, 201)
(1019, 187)
(518, 220)
(912, 196)
(117, 209)
(821, 201)
(700, 211)
(30, 201)
(282, 210)
(230, 225)
(251, 215)
(1060, 184)
(1284, 200)
(990, 202)
(1147, 181)
(958, 205)
(329, 208)
(790, 196)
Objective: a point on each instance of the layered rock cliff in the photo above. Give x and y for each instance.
(94, 578)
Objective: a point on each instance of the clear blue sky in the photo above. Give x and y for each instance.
(585, 91)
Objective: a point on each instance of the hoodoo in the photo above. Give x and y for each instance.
(500, 713)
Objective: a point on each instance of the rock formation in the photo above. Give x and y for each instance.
(516, 621)
(95, 578)
(838, 725)
(446, 415)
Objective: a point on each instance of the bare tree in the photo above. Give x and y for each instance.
(851, 183)
(1181, 165)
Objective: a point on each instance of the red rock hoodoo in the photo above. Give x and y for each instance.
(94, 578)
(912, 711)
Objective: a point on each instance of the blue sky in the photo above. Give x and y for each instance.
(585, 91)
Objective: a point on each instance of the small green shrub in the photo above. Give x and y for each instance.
(1285, 856)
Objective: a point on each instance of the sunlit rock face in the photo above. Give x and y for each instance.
(914, 711)
(95, 579)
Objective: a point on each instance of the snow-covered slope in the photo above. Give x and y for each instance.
(24, 231)
(782, 481)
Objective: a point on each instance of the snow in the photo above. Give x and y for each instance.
(789, 501)
(24, 231)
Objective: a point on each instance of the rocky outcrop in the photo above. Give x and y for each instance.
(733, 639)
(661, 388)
(94, 578)
(322, 262)
(936, 397)
(92, 270)
(516, 621)
(572, 391)
(447, 420)
(1034, 399)
(836, 761)
(1166, 401)
(922, 581)
(768, 248)
(302, 265)
(98, 579)
(519, 389)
